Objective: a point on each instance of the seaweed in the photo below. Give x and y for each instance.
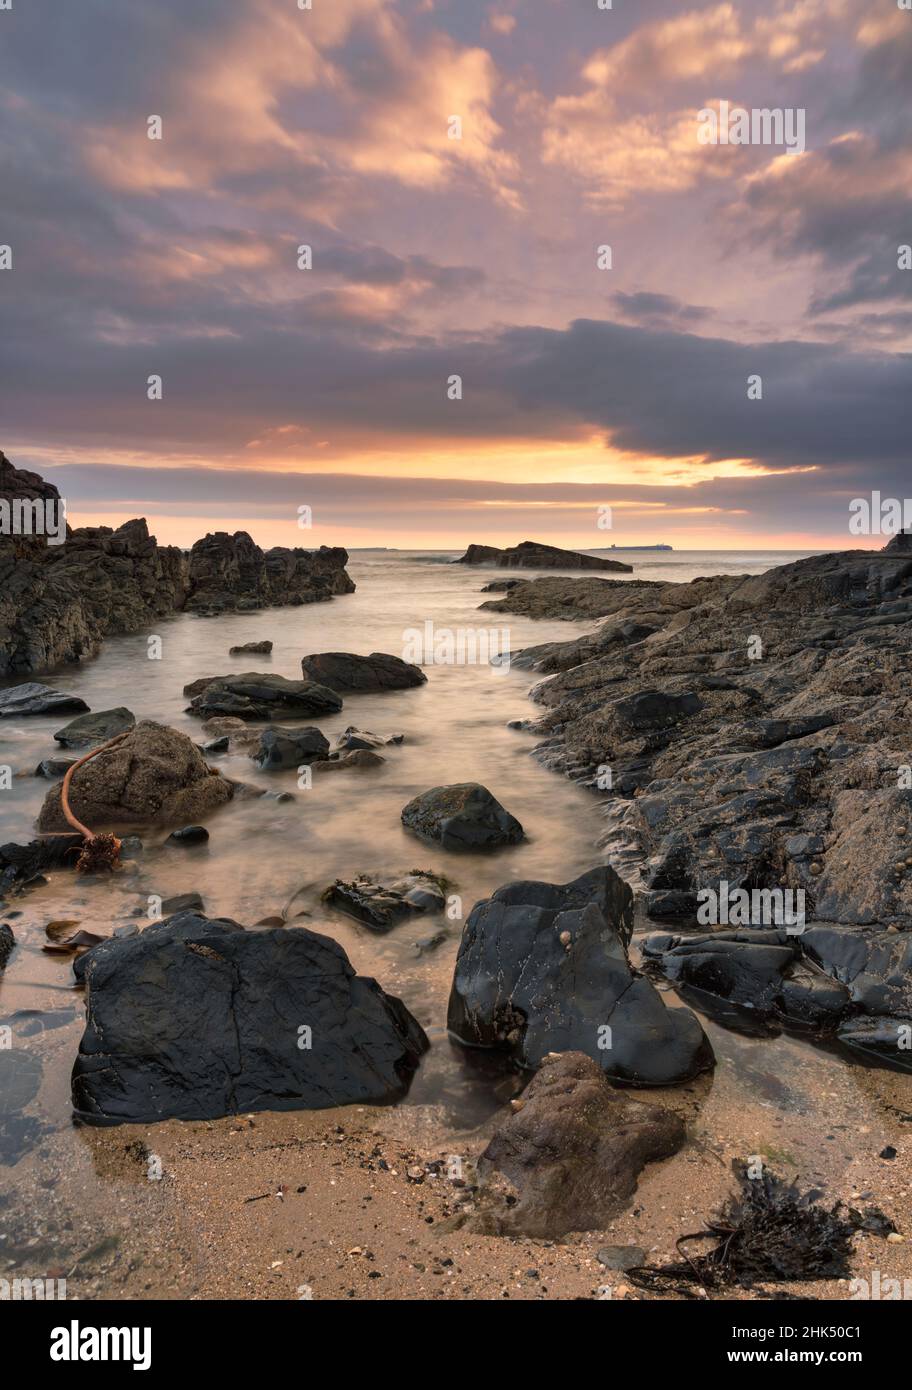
(767, 1230)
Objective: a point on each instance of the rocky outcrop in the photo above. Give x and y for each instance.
(753, 730)
(463, 816)
(856, 984)
(154, 776)
(569, 1158)
(230, 573)
(24, 866)
(59, 602)
(543, 967)
(536, 555)
(346, 672)
(253, 695)
(196, 1018)
(381, 906)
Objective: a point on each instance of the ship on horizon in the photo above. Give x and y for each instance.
(641, 547)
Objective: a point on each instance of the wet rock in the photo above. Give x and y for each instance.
(354, 739)
(570, 1158)
(284, 748)
(462, 816)
(358, 758)
(543, 967)
(827, 978)
(197, 1018)
(381, 906)
(24, 866)
(154, 776)
(256, 696)
(537, 555)
(33, 698)
(90, 730)
(343, 671)
(189, 835)
(7, 942)
(53, 768)
(251, 649)
(238, 735)
(182, 902)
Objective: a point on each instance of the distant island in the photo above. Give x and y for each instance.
(641, 547)
(536, 555)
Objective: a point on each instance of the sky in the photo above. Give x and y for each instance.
(469, 248)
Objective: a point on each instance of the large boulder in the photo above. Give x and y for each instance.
(33, 698)
(463, 816)
(89, 730)
(362, 674)
(537, 555)
(196, 1018)
(543, 967)
(283, 748)
(569, 1157)
(253, 695)
(154, 776)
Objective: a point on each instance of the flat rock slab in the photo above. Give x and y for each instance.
(463, 816)
(251, 649)
(91, 730)
(253, 695)
(543, 967)
(569, 1158)
(362, 674)
(33, 698)
(197, 1018)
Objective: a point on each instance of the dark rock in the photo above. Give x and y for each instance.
(90, 730)
(536, 555)
(463, 816)
(182, 902)
(357, 758)
(217, 745)
(230, 573)
(256, 696)
(621, 1257)
(345, 672)
(283, 748)
(7, 942)
(197, 1018)
(154, 776)
(251, 649)
(381, 906)
(543, 967)
(569, 1158)
(23, 866)
(650, 709)
(189, 835)
(354, 739)
(33, 698)
(53, 768)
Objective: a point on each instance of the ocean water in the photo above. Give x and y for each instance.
(264, 855)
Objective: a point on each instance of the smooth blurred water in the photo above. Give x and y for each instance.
(262, 853)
